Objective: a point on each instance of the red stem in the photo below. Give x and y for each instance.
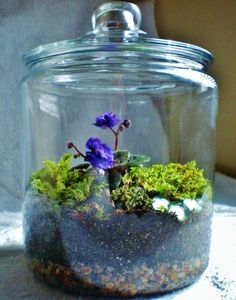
(116, 142)
(116, 134)
(80, 154)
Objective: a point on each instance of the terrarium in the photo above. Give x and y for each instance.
(119, 159)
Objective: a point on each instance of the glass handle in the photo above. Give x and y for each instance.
(116, 16)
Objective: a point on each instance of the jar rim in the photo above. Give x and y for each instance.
(150, 46)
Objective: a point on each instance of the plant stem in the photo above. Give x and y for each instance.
(116, 142)
(80, 154)
(116, 134)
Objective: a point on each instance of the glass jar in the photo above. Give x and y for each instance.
(119, 159)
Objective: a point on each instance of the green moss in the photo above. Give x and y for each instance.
(131, 197)
(136, 189)
(98, 188)
(58, 182)
(102, 215)
(94, 209)
(174, 182)
(83, 208)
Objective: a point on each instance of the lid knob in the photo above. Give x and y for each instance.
(116, 16)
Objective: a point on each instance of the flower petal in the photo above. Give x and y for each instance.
(100, 155)
(107, 120)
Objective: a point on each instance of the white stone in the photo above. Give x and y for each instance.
(192, 205)
(160, 203)
(179, 212)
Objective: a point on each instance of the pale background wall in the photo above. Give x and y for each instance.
(212, 25)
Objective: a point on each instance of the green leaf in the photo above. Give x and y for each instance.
(138, 160)
(83, 166)
(115, 178)
(126, 159)
(121, 156)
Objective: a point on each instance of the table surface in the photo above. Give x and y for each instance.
(218, 281)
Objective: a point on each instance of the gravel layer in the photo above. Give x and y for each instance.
(97, 280)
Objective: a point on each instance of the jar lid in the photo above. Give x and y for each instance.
(116, 28)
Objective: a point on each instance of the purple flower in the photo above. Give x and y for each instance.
(100, 155)
(107, 120)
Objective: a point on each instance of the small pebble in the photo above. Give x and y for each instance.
(141, 279)
(109, 285)
(86, 270)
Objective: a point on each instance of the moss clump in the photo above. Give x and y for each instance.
(174, 182)
(58, 182)
(131, 197)
(94, 209)
(136, 189)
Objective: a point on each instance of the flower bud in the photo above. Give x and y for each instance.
(127, 123)
(70, 145)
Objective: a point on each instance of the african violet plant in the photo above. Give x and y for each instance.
(174, 188)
